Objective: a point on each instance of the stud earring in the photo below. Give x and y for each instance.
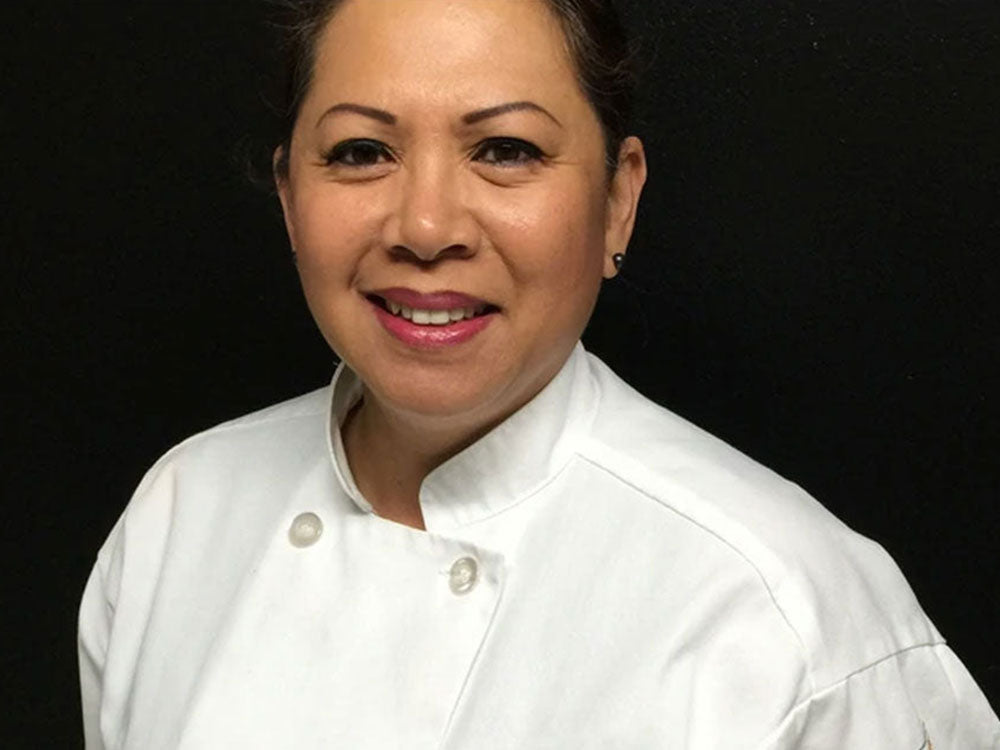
(619, 260)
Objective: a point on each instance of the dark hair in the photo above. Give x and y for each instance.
(594, 34)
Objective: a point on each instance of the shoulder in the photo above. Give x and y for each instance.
(189, 492)
(285, 416)
(842, 595)
(242, 442)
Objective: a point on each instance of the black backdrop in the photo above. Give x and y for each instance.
(814, 278)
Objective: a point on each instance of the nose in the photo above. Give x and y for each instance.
(432, 219)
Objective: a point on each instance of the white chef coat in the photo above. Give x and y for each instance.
(596, 573)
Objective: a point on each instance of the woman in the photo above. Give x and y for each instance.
(477, 536)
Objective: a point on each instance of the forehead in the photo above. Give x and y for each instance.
(445, 51)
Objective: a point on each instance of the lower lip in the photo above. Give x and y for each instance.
(429, 336)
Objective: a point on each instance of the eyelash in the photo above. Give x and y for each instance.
(530, 150)
(341, 151)
(523, 151)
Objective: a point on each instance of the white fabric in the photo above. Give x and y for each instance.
(638, 584)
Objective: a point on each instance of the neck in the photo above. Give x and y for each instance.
(390, 454)
(391, 451)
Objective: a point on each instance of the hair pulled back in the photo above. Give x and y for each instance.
(595, 37)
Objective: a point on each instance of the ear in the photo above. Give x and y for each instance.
(623, 201)
(279, 168)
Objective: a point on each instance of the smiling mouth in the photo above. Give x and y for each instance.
(431, 317)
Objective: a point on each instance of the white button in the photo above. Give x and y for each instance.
(463, 575)
(305, 530)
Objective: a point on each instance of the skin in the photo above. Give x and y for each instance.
(432, 201)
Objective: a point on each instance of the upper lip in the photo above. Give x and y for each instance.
(443, 300)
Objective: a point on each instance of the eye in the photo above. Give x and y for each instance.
(357, 152)
(507, 152)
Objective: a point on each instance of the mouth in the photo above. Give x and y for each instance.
(438, 315)
(431, 322)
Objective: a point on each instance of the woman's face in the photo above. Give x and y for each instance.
(445, 158)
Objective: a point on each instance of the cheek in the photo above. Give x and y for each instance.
(333, 230)
(332, 224)
(552, 242)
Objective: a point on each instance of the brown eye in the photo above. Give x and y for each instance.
(358, 152)
(508, 152)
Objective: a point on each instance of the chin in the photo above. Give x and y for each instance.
(428, 394)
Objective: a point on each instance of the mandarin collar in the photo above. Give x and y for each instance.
(505, 466)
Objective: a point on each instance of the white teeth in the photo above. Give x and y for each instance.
(434, 317)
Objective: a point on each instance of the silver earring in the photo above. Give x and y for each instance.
(619, 260)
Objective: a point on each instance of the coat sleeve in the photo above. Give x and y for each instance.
(94, 633)
(922, 698)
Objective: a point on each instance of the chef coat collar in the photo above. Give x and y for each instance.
(504, 467)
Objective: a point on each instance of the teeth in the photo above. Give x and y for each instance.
(433, 317)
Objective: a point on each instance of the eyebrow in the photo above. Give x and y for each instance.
(484, 114)
(376, 114)
(469, 119)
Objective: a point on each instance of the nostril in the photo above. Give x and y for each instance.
(428, 255)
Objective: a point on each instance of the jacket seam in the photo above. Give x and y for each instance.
(814, 692)
(803, 651)
(834, 686)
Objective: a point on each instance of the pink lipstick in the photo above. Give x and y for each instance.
(432, 301)
(431, 321)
